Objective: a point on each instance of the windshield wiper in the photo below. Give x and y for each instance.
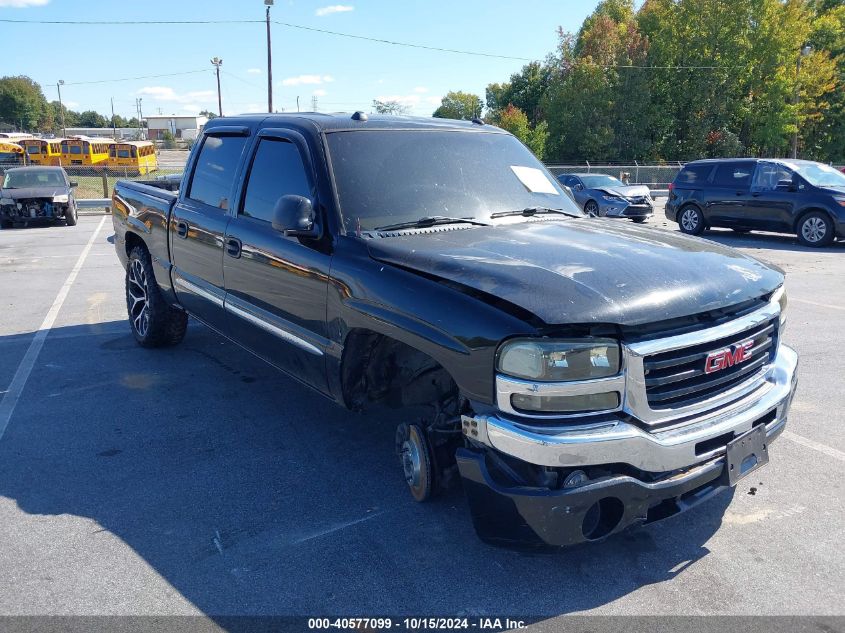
(529, 211)
(429, 220)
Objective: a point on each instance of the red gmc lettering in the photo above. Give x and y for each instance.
(728, 357)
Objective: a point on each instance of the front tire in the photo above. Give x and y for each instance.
(591, 208)
(815, 229)
(153, 321)
(71, 216)
(639, 220)
(6, 224)
(691, 220)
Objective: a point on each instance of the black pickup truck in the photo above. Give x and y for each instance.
(580, 376)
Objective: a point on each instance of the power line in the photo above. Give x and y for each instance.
(285, 24)
(106, 81)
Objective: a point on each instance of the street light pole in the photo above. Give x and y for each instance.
(805, 50)
(61, 107)
(269, 4)
(217, 63)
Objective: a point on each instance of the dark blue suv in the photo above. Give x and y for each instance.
(751, 194)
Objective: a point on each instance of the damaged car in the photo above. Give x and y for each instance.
(576, 376)
(601, 195)
(37, 194)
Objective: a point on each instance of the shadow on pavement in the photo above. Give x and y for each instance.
(252, 495)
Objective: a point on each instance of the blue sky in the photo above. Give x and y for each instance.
(344, 74)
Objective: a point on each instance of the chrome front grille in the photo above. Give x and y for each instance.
(678, 378)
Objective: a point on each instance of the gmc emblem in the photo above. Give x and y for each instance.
(728, 357)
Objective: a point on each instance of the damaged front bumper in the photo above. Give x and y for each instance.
(32, 209)
(641, 474)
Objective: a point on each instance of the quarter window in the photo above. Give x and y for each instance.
(215, 170)
(694, 174)
(277, 171)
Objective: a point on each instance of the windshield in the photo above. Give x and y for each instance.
(33, 149)
(820, 175)
(25, 179)
(390, 177)
(600, 180)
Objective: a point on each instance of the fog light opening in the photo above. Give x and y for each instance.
(602, 518)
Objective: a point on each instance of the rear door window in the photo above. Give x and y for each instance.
(215, 170)
(736, 175)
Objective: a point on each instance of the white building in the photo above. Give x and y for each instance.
(187, 127)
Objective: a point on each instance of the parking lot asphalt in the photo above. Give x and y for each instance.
(198, 480)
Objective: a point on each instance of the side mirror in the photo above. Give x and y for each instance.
(73, 184)
(294, 216)
(786, 185)
(578, 187)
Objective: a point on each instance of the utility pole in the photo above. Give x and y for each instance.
(141, 116)
(313, 103)
(297, 103)
(269, 4)
(217, 63)
(113, 125)
(61, 107)
(805, 50)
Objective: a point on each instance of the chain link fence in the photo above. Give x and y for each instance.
(655, 175)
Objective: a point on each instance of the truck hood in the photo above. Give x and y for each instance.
(34, 192)
(630, 191)
(586, 270)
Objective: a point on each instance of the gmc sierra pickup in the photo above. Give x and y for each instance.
(580, 376)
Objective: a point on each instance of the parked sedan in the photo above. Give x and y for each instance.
(602, 195)
(31, 194)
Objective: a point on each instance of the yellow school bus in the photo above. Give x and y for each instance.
(11, 154)
(84, 151)
(133, 157)
(43, 151)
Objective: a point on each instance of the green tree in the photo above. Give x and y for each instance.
(390, 107)
(208, 114)
(459, 105)
(90, 118)
(516, 122)
(21, 102)
(525, 90)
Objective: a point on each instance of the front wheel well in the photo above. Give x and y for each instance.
(807, 212)
(379, 369)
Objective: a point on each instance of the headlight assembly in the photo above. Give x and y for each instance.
(63, 198)
(559, 360)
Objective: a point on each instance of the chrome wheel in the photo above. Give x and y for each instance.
(416, 458)
(137, 290)
(814, 229)
(591, 208)
(689, 220)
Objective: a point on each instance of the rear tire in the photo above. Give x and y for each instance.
(153, 321)
(639, 220)
(691, 220)
(815, 229)
(71, 216)
(6, 224)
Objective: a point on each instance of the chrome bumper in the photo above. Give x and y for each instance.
(614, 441)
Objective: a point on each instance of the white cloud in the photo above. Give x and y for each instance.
(319, 92)
(335, 8)
(22, 4)
(253, 71)
(420, 89)
(307, 79)
(412, 101)
(166, 93)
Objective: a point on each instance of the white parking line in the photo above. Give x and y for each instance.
(817, 304)
(817, 446)
(13, 393)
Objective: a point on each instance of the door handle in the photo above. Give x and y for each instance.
(233, 247)
(182, 229)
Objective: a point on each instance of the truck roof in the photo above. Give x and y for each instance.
(323, 122)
